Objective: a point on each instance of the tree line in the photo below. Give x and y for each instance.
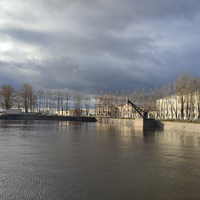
(31, 101)
(185, 91)
(183, 96)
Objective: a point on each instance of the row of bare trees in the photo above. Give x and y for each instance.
(187, 95)
(10, 97)
(52, 101)
(178, 100)
(110, 102)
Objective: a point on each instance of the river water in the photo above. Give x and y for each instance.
(73, 160)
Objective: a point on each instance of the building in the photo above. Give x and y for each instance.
(124, 111)
(185, 107)
(107, 111)
(127, 111)
(77, 112)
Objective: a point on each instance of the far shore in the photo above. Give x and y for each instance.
(165, 124)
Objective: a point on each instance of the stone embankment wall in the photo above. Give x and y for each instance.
(124, 122)
(47, 117)
(178, 126)
(158, 124)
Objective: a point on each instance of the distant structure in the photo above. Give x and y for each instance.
(13, 111)
(124, 111)
(141, 112)
(185, 107)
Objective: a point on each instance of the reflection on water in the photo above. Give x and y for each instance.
(74, 160)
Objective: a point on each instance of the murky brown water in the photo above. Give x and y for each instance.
(92, 161)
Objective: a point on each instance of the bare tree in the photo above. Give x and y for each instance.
(170, 100)
(133, 98)
(51, 101)
(26, 92)
(116, 104)
(175, 108)
(180, 89)
(122, 103)
(143, 99)
(114, 111)
(192, 96)
(105, 103)
(150, 103)
(157, 97)
(87, 103)
(110, 103)
(100, 103)
(40, 97)
(77, 99)
(197, 97)
(18, 99)
(58, 96)
(127, 106)
(164, 103)
(7, 95)
(32, 101)
(62, 96)
(68, 96)
(47, 99)
(96, 101)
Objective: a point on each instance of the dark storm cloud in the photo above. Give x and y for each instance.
(95, 45)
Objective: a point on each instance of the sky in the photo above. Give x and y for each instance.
(94, 45)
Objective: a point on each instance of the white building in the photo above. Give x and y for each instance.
(177, 107)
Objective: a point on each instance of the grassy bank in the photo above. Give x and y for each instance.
(115, 118)
(181, 121)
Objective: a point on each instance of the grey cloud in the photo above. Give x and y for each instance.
(121, 9)
(28, 36)
(100, 45)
